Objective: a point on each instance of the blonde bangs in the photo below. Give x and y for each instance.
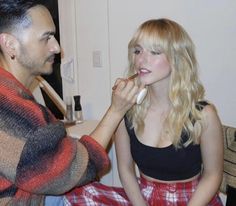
(152, 37)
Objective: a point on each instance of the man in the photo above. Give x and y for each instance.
(37, 158)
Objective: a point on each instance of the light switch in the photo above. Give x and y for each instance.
(97, 58)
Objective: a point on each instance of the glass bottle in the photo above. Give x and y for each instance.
(78, 109)
(69, 109)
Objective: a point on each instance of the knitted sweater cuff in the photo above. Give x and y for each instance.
(96, 153)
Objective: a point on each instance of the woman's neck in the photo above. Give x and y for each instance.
(159, 97)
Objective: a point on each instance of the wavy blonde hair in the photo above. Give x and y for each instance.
(185, 89)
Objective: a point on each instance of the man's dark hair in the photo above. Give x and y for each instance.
(13, 13)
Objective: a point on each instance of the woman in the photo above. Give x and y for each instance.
(174, 136)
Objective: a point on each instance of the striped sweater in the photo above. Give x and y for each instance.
(37, 158)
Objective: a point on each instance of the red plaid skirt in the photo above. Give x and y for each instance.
(173, 194)
(155, 194)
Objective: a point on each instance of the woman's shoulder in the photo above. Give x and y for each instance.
(206, 106)
(209, 113)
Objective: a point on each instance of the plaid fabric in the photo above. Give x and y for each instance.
(156, 194)
(171, 194)
(97, 194)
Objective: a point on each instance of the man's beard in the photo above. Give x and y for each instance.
(33, 64)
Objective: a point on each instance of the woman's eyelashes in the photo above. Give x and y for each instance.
(138, 50)
(155, 52)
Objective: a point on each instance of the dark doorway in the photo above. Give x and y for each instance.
(54, 79)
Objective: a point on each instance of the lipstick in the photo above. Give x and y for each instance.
(129, 78)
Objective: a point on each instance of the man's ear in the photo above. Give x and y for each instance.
(8, 44)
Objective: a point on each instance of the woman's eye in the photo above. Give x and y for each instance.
(155, 52)
(137, 51)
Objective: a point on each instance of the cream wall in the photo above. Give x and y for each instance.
(107, 26)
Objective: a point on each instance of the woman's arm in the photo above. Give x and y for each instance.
(212, 154)
(126, 166)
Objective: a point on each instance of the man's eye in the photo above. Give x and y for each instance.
(48, 37)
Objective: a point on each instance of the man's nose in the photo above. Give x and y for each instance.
(55, 47)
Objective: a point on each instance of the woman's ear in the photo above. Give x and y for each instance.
(8, 44)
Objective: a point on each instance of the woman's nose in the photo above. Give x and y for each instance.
(143, 57)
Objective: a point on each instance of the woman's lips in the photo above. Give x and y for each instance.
(144, 71)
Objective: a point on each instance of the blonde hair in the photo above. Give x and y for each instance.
(185, 89)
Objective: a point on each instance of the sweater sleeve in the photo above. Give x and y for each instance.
(73, 163)
(97, 155)
(98, 162)
(49, 165)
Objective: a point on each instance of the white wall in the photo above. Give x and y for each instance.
(107, 26)
(92, 31)
(88, 22)
(212, 27)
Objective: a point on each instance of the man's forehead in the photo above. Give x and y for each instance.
(41, 18)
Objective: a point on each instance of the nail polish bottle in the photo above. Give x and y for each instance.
(78, 109)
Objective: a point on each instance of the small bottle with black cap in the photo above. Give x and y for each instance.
(78, 109)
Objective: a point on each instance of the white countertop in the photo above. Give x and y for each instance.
(84, 128)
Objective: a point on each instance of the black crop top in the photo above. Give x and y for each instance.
(166, 163)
